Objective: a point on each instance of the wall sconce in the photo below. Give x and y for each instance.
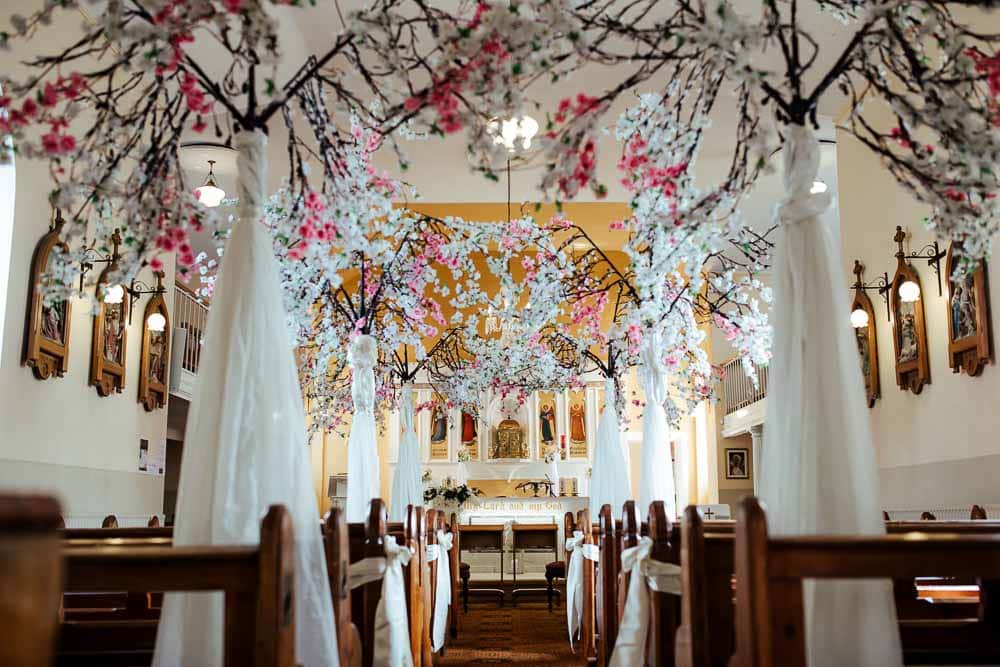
(909, 291)
(135, 292)
(92, 256)
(881, 284)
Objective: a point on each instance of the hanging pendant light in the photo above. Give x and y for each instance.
(210, 194)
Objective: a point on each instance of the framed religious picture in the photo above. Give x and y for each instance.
(577, 425)
(909, 332)
(737, 463)
(439, 429)
(864, 336)
(970, 341)
(46, 325)
(548, 437)
(107, 350)
(470, 436)
(155, 355)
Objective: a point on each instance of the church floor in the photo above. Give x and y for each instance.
(528, 634)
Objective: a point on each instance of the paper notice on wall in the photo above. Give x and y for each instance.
(152, 460)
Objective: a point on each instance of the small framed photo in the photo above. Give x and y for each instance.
(738, 463)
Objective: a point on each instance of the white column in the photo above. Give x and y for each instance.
(757, 436)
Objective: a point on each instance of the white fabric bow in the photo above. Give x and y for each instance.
(574, 580)
(392, 631)
(646, 574)
(442, 598)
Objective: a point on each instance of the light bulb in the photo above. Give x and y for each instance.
(859, 318)
(210, 196)
(818, 187)
(513, 133)
(156, 322)
(114, 294)
(909, 292)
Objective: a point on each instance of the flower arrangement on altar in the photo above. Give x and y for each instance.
(450, 494)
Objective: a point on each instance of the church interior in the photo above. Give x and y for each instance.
(393, 333)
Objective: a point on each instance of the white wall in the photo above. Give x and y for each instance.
(939, 448)
(59, 435)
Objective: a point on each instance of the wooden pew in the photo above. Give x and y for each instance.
(30, 579)
(928, 634)
(705, 637)
(610, 566)
(366, 541)
(664, 607)
(454, 561)
(258, 583)
(769, 573)
(588, 624)
(338, 563)
(433, 519)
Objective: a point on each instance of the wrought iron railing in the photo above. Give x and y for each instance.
(191, 314)
(740, 390)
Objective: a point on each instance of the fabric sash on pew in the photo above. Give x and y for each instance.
(442, 595)
(647, 574)
(574, 580)
(392, 630)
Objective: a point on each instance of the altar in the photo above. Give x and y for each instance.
(507, 511)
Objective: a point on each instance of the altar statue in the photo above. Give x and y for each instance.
(508, 439)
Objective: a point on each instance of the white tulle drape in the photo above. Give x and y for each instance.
(657, 482)
(245, 447)
(407, 489)
(609, 483)
(362, 451)
(818, 474)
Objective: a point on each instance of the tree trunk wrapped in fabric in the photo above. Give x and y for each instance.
(245, 447)
(818, 475)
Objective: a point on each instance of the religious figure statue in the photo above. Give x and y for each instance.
(114, 327)
(468, 428)
(963, 309)
(52, 321)
(547, 423)
(156, 365)
(907, 333)
(439, 424)
(577, 425)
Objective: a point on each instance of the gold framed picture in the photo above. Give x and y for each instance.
(108, 346)
(155, 354)
(970, 340)
(864, 335)
(909, 331)
(46, 325)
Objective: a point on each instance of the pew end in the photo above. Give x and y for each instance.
(31, 578)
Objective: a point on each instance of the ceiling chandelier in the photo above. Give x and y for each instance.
(515, 134)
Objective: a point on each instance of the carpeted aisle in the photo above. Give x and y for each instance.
(528, 634)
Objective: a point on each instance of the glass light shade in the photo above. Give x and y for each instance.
(859, 318)
(210, 195)
(818, 187)
(114, 294)
(156, 322)
(909, 292)
(514, 133)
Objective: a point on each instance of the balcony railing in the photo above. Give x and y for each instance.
(739, 388)
(190, 314)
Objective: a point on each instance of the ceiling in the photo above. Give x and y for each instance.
(439, 168)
